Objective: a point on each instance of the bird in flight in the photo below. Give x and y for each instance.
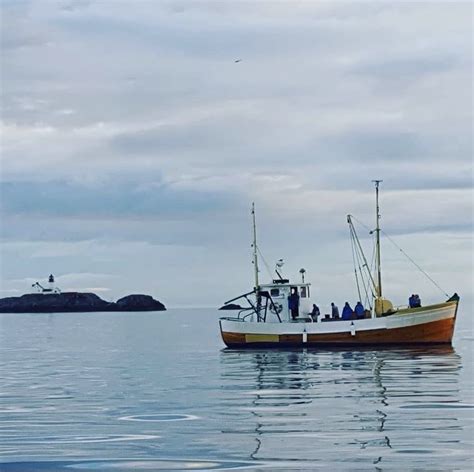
(238, 60)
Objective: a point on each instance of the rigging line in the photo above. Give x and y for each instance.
(371, 232)
(413, 262)
(361, 264)
(365, 283)
(372, 262)
(374, 248)
(265, 262)
(362, 224)
(354, 261)
(405, 254)
(372, 267)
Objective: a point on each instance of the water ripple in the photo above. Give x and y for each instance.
(136, 392)
(159, 417)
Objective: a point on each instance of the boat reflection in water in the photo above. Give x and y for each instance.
(343, 409)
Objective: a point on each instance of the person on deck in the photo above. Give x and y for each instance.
(359, 310)
(294, 303)
(417, 301)
(315, 312)
(347, 312)
(334, 311)
(414, 301)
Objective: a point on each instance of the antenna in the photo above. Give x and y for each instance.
(377, 229)
(302, 272)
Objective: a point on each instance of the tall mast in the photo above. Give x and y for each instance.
(377, 230)
(254, 245)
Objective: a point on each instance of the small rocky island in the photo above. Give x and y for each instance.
(67, 302)
(231, 306)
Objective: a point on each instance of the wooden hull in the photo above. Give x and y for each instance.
(428, 325)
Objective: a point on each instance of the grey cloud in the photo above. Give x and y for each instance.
(220, 132)
(130, 97)
(74, 5)
(455, 176)
(407, 68)
(111, 200)
(18, 30)
(196, 35)
(373, 145)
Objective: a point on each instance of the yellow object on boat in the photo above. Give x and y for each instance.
(382, 306)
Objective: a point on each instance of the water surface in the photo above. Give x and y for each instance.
(158, 391)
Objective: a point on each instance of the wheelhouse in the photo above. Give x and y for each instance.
(280, 293)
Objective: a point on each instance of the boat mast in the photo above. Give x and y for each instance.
(254, 245)
(255, 265)
(377, 230)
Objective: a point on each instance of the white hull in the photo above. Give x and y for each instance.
(431, 324)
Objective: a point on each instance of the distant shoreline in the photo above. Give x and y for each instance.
(77, 302)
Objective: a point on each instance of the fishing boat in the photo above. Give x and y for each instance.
(282, 313)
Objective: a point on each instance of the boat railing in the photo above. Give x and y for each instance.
(256, 307)
(401, 307)
(243, 314)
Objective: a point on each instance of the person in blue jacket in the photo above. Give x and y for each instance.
(347, 312)
(359, 310)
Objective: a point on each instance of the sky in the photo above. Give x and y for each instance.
(136, 135)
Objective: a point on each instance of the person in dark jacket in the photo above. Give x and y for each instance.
(414, 301)
(359, 310)
(294, 303)
(334, 311)
(347, 312)
(417, 301)
(315, 312)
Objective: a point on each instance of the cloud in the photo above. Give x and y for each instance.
(116, 199)
(132, 126)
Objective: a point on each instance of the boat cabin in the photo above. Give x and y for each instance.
(291, 300)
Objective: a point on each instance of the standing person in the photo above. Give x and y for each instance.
(347, 312)
(294, 303)
(411, 301)
(315, 312)
(334, 311)
(359, 310)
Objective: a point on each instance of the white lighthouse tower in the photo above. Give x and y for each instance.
(49, 289)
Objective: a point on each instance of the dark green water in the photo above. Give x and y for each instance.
(157, 391)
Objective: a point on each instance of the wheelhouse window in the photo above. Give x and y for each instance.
(275, 292)
(303, 292)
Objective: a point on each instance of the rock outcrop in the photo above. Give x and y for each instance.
(76, 302)
(231, 306)
(139, 303)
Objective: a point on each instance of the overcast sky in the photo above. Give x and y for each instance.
(133, 144)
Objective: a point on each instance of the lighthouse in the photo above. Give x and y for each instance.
(51, 287)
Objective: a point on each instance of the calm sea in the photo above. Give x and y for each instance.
(158, 391)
